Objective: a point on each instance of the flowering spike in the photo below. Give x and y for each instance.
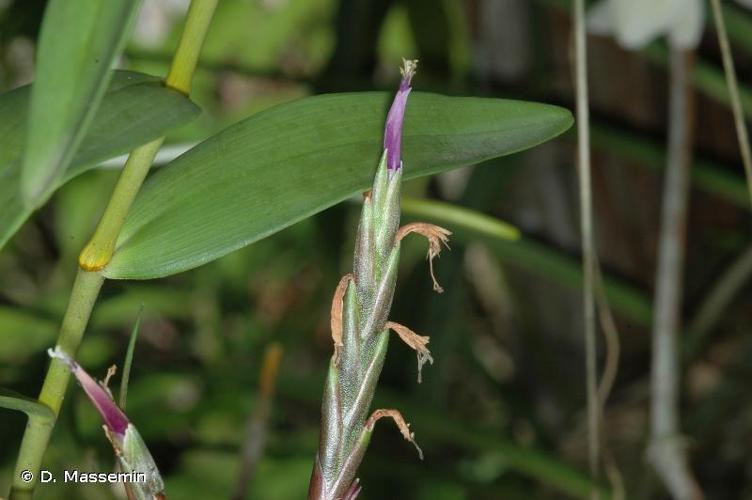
(395, 118)
(114, 418)
(359, 314)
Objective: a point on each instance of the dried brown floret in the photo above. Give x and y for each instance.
(336, 314)
(111, 371)
(403, 426)
(415, 341)
(436, 235)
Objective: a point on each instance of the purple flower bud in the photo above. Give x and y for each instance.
(393, 129)
(130, 449)
(114, 418)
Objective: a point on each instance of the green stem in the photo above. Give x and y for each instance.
(98, 251)
(186, 57)
(83, 296)
(97, 254)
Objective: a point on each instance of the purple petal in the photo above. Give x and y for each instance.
(393, 129)
(113, 416)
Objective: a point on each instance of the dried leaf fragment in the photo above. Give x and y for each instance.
(403, 426)
(415, 341)
(436, 235)
(111, 371)
(336, 314)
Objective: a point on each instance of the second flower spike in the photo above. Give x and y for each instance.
(132, 454)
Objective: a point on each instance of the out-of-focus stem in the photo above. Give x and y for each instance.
(716, 302)
(588, 245)
(666, 449)
(733, 88)
(610, 369)
(258, 421)
(611, 337)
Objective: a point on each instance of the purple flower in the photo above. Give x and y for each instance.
(393, 129)
(114, 418)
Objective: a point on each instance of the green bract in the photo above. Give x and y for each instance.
(292, 161)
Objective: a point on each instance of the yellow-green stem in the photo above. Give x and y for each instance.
(97, 254)
(85, 290)
(186, 56)
(98, 251)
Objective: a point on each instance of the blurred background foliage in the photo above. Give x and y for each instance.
(501, 412)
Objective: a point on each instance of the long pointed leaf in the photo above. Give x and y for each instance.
(136, 109)
(283, 165)
(77, 44)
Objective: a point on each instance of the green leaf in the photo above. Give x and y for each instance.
(77, 44)
(129, 361)
(32, 407)
(292, 161)
(136, 109)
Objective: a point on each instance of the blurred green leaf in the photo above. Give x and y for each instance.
(216, 471)
(172, 396)
(159, 301)
(290, 162)
(32, 407)
(136, 109)
(471, 220)
(23, 334)
(76, 48)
